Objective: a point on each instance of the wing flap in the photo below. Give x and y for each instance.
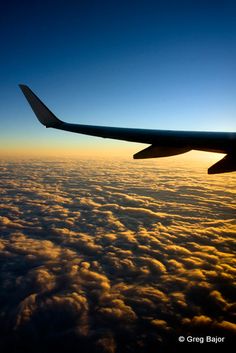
(159, 151)
(225, 165)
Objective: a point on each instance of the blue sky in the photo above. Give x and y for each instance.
(152, 64)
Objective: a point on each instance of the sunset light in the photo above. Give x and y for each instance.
(101, 250)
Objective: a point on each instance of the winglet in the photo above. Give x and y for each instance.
(44, 115)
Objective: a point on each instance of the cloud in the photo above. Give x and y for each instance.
(114, 256)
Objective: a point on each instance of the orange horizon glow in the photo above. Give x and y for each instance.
(104, 152)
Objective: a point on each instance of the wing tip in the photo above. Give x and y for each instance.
(43, 114)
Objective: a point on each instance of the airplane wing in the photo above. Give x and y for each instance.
(163, 143)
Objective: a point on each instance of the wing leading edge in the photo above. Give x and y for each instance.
(163, 142)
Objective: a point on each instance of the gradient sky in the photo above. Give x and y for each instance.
(150, 64)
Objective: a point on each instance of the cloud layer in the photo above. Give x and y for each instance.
(112, 257)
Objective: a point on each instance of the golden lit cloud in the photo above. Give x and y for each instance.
(95, 251)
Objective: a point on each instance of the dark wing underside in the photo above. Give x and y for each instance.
(163, 142)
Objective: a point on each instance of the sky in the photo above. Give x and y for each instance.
(148, 64)
(111, 255)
